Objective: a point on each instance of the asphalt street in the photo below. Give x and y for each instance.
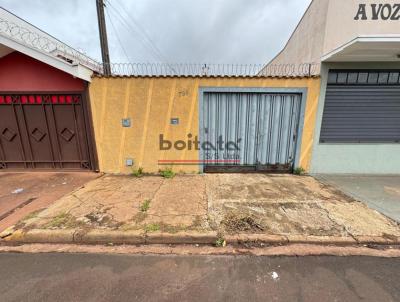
(99, 277)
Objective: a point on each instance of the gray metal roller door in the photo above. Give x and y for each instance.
(362, 107)
(263, 126)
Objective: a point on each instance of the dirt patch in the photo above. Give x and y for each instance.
(277, 219)
(235, 223)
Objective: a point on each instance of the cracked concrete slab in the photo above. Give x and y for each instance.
(269, 188)
(359, 220)
(180, 200)
(115, 202)
(380, 192)
(289, 205)
(272, 205)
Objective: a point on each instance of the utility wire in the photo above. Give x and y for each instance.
(151, 45)
(118, 38)
(142, 30)
(117, 15)
(143, 43)
(130, 28)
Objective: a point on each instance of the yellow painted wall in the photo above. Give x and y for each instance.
(152, 102)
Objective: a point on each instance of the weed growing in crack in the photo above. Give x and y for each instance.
(220, 242)
(172, 229)
(145, 206)
(31, 215)
(299, 171)
(137, 172)
(167, 173)
(153, 227)
(62, 221)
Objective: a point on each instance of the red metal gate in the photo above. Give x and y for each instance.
(44, 131)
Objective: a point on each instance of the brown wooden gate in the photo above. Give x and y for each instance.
(44, 131)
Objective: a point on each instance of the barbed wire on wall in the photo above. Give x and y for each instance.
(56, 48)
(214, 70)
(46, 44)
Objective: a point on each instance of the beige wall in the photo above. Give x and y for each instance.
(327, 25)
(342, 28)
(152, 102)
(306, 43)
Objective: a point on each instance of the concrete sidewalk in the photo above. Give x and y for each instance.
(379, 192)
(23, 193)
(205, 209)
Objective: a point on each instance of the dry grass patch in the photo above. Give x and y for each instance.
(63, 221)
(234, 223)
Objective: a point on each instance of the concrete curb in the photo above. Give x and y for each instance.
(41, 236)
(256, 238)
(301, 239)
(333, 240)
(141, 238)
(107, 237)
(181, 238)
(7, 232)
(377, 240)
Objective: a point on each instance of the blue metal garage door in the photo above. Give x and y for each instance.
(249, 131)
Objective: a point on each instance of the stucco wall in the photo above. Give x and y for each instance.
(152, 102)
(307, 41)
(342, 28)
(19, 72)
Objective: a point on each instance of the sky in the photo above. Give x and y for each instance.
(174, 31)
